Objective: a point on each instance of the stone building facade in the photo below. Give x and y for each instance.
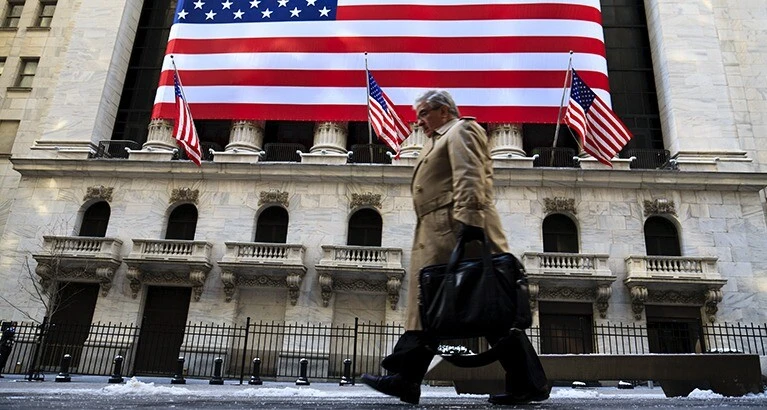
(708, 62)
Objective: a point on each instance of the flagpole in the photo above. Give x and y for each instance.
(562, 102)
(367, 99)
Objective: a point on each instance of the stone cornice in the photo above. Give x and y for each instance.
(389, 174)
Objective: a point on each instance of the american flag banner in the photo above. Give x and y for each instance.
(183, 129)
(385, 121)
(502, 60)
(601, 132)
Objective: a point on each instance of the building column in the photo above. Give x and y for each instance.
(329, 144)
(159, 144)
(412, 145)
(247, 136)
(160, 136)
(506, 140)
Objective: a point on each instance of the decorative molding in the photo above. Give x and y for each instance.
(713, 297)
(393, 286)
(185, 195)
(677, 297)
(567, 293)
(359, 285)
(603, 297)
(366, 199)
(638, 298)
(293, 281)
(326, 286)
(99, 192)
(274, 197)
(559, 204)
(659, 207)
(230, 284)
(534, 290)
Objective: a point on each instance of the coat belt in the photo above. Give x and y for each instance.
(431, 205)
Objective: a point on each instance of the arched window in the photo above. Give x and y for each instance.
(95, 220)
(661, 237)
(365, 228)
(272, 225)
(182, 223)
(560, 234)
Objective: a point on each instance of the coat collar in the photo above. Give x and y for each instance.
(444, 128)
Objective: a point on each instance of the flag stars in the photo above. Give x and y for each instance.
(325, 12)
(238, 14)
(198, 4)
(283, 3)
(182, 14)
(266, 14)
(209, 15)
(227, 4)
(310, 3)
(295, 12)
(254, 4)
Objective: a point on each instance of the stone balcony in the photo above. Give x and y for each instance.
(168, 262)
(254, 264)
(570, 277)
(78, 259)
(360, 269)
(687, 280)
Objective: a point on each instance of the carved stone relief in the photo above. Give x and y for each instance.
(659, 207)
(603, 297)
(638, 299)
(559, 204)
(99, 192)
(366, 199)
(185, 195)
(273, 197)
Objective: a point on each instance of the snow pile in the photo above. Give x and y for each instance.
(137, 387)
(704, 394)
(574, 394)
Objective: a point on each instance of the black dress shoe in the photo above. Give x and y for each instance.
(409, 392)
(519, 398)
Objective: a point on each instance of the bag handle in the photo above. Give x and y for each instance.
(457, 255)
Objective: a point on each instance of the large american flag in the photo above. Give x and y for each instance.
(601, 132)
(502, 60)
(184, 130)
(385, 121)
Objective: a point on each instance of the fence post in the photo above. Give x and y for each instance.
(346, 378)
(179, 377)
(33, 373)
(354, 350)
(117, 370)
(255, 379)
(244, 349)
(63, 376)
(217, 379)
(302, 379)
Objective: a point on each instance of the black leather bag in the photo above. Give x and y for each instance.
(474, 297)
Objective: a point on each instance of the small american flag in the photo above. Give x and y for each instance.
(183, 130)
(386, 123)
(602, 133)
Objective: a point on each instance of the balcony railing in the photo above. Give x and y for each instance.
(649, 158)
(560, 157)
(566, 263)
(370, 154)
(672, 266)
(264, 253)
(206, 149)
(81, 247)
(171, 250)
(284, 152)
(361, 268)
(115, 148)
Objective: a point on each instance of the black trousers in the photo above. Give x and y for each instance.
(414, 351)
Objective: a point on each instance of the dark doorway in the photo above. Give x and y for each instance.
(566, 327)
(182, 223)
(95, 220)
(365, 228)
(674, 329)
(70, 321)
(560, 234)
(272, 225)
(162, 329)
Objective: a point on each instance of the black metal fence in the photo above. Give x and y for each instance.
(561, 157)
(281, 346)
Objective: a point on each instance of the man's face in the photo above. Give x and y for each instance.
(430, 118)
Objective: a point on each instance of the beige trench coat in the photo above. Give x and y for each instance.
(452, 182)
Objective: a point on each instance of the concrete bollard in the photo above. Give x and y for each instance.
(117, 376)
(63, 376)
(255, 378)
(302, 379)
(217, 379)
(346, 379)
(179, 376)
